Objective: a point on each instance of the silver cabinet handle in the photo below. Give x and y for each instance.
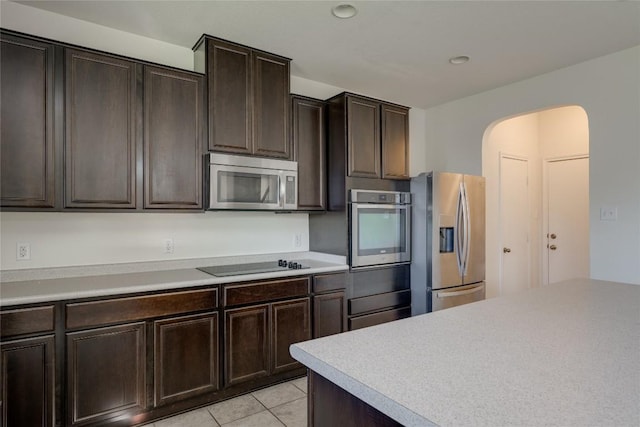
(458, 293)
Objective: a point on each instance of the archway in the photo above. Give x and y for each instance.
(517, 152)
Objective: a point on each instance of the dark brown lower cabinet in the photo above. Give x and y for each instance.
(290, 324)
(106, 373)
(377, 318)
(379, 295)
(28, 378)
(328, 314)
(246, 343)
(186, 357)
(258, 337)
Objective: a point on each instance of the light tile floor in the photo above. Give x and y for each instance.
(280, 405)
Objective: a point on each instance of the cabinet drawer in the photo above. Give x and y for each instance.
(118, 310)
(378, 281)
(329, 282)
(265, 291)
(378, 318)
(26, 321)
(378, 302)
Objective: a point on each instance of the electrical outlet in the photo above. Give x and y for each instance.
(23, 252)
(297, 240)
(608, 213)
(168, 246)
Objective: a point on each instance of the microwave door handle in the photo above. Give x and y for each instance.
(265, 195)
(282, 188)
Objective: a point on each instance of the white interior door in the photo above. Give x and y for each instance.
(515, 273)
(567, 239)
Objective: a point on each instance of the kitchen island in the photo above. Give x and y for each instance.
(565, 354)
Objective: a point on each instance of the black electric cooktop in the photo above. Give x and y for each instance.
(254, 268)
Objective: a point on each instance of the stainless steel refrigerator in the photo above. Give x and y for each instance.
(448, 241)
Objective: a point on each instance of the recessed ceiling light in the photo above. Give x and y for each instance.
(344, 11)
(457, 60)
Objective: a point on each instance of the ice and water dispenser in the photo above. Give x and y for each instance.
(446, 239)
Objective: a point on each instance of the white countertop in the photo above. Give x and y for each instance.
(54, 284)
(566, 354)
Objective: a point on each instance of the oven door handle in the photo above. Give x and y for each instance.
(378, 206)
(458, 293)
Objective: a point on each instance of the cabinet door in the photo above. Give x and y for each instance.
(229, 77)
(271, 106)
(309, 148)
(186, 357)
(363, 136)
(100, 148)
(173, 131)
(328, 314)
(106, 373)
(290, 324)
(28, 378)
(395, 142)
(26, 114)
(246, 344)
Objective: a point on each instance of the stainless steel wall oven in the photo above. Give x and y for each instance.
(380, 227)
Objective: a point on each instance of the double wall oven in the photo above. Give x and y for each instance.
(380, 227)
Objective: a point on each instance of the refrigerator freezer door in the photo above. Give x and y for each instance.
(475, 262)
(446, 187)
(447, 298)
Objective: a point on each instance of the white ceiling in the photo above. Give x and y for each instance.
(393, 50)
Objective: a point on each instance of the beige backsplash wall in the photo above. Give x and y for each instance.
(68, 239)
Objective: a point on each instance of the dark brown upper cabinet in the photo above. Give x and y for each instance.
(363, 137)
(309, 150)
(102, 112)
(248, 98)
(368, 138)
(27, 145)
(395, 138)
(173, 138)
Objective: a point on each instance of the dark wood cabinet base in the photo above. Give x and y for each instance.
(330, 405)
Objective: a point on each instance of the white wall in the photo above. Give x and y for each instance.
(66, 239)
(17, 17)
(563, 132)
(608, 88)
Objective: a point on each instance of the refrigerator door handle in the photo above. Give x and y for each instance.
(449, 294)
(467, 230)
(459, 232)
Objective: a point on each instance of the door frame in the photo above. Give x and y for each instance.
(544, 280)
(505, 155)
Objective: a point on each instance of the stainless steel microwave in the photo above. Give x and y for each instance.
(252, 183)
(380, 224)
